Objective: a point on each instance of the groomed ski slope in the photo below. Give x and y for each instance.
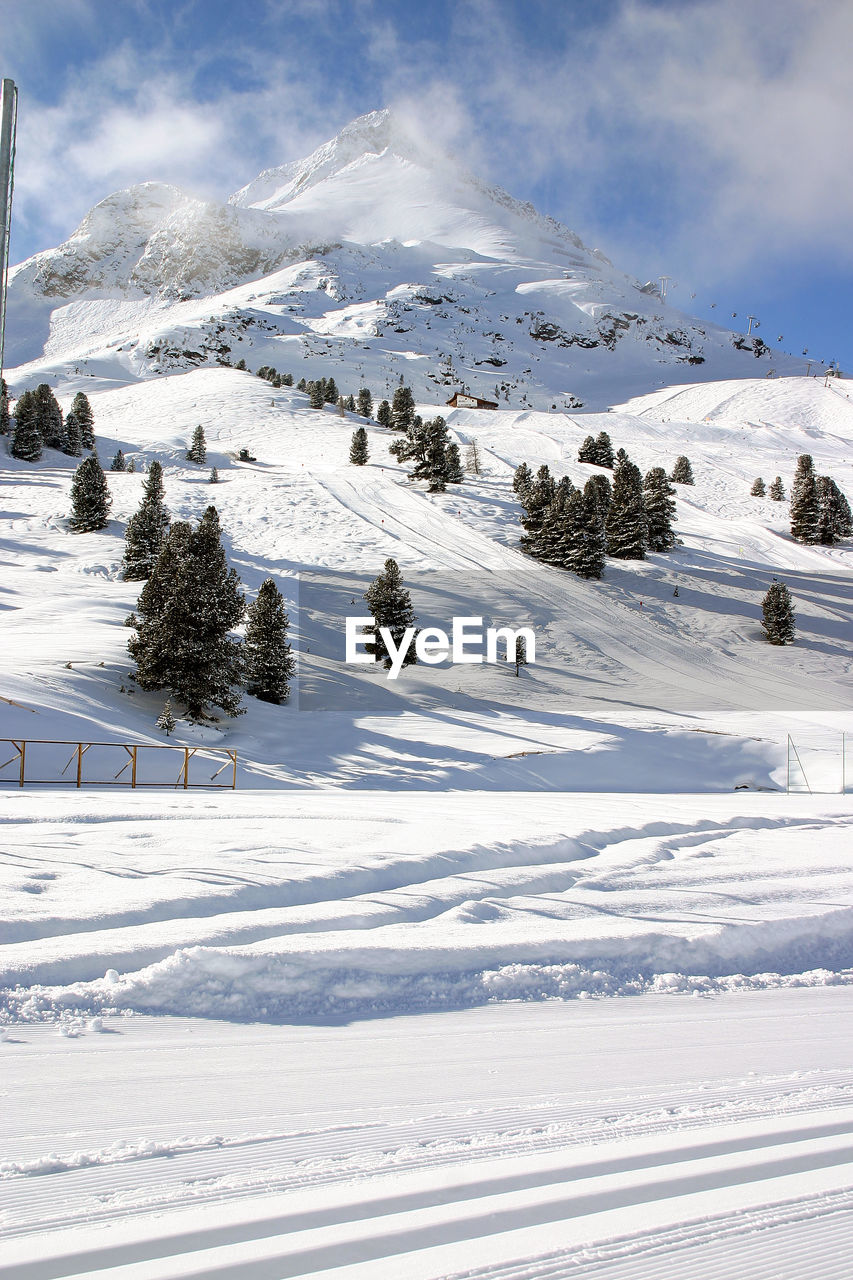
(626, 1142)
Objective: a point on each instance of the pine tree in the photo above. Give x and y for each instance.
(391, 606)
(522, 482)
(588, 452)
(268, 658)
(627, 526)
(90, 497)
(131, 466)
(805, 509)
(146, 529)
(358, 453)
(758, 490)
(73, 436)
(214, 476)
(118, 463)
(682, 472)
(586, 543)
(185, 613)
(384, 416)
(330, 392)
(777, 490)
(316, 396)
(778, 615)
(49, 419)
(659, 506)
(455, 474)
(604, 450)
(472, 458)
(364, 407)
(349, 404)
(302, 385)
(834, 517)
(603, 490)
(82, 411)
(165, 720)
(197, 451)
(402, 409)
(26, 438)
(539, 498)
(520, 657)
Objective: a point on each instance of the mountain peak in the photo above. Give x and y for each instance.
(368, 135)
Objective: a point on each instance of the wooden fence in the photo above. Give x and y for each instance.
(27, 759)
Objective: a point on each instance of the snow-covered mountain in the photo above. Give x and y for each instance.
(373, 258)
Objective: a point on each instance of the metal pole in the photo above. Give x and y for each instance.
(8, 122)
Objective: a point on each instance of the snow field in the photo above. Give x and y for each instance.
(335, 904)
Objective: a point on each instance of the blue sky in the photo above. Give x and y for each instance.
(705, 139)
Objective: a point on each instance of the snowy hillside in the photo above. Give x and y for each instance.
(372, 255)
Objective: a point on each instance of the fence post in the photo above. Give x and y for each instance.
(79, 764)
(133, 751)
(23, 757)
(234, 774)
(186, 767)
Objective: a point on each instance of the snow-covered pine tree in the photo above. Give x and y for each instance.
(364, 404)
(330, 391)
(758, 489)
(436, 459)
(349, 403)
(402, 409)
(146, 529)
(455, 474)
(682, 472)
(522, 482)
(539, 498)
(520, 656)
(603, 490)
(316, 395)
(391, 606)
(473, 463)
(588, 452)
(586, 542)
(82, 411)
(197, 451)
(214, 476)
(26, 437)
(268, 658)
(90, 497)
(118, 463)
(627, 527)
(302, 385)
(805, 509)
(659, 506)
(358, 453)
(166, 720)
(778, 618)
(185, 613)
(384, 416)
(5, 420)
(73, 436)
(777, 490)
(49, 417)
(834, 517)
(131, 466)
(604, 450)
(549, 543)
